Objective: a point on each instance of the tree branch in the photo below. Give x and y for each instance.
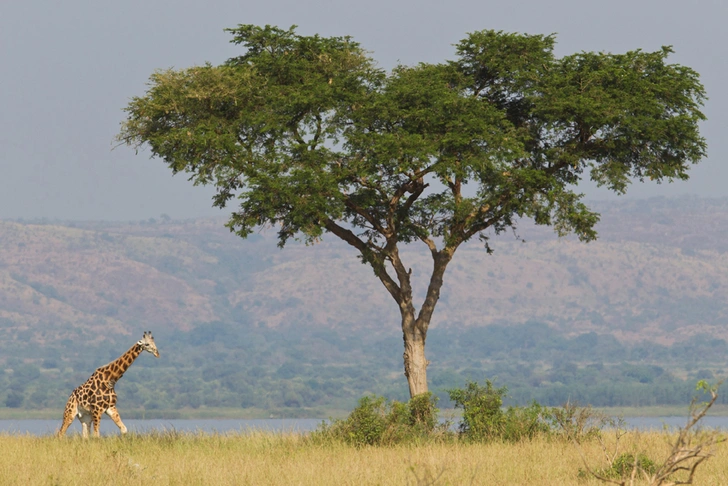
(430, 244)
(317, 136)
(414, 196)
(366, 215)
(370, 255)
(406, 306)
(373, 187)
(477, 228)
(440, 260)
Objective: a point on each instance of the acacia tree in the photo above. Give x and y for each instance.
(306, 134)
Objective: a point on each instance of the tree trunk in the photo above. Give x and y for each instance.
(414, 330)
(415, 363)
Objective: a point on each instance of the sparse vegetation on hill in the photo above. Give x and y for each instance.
(65, 279)
(622, 321)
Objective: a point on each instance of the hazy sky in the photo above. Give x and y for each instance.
(68, 68)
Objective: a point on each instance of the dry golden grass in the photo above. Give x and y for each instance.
(289, 459)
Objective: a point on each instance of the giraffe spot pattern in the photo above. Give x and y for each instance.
(97, 394)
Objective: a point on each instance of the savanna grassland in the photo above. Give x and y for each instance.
(171, 458)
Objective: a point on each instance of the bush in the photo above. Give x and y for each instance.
(485, 420)
(623, 466)
(525, 422)
(377, 421)
(625, 463)
(575, 423)
(422, 412)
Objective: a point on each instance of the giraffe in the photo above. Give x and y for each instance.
(90, 400)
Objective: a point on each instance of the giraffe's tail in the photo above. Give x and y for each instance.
(68, 415)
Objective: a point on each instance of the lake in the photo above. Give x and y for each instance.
(47, 427)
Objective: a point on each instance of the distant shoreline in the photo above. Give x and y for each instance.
(719, 410)
(186, 414)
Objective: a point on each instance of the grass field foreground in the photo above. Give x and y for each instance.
(262, 458)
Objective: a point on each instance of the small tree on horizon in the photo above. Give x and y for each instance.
(308, 135)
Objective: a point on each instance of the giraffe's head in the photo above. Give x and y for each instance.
(147, 344)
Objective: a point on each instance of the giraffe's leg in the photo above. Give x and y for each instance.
(97, 421)
(114, 414)
(68, 415)
(85, 419)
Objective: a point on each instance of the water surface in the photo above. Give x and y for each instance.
(47, 427)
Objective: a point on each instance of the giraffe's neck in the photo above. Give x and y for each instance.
(115, 370)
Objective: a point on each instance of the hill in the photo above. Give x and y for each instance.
(658, 271)
(242, 313)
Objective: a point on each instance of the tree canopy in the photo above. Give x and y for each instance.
(307, 134)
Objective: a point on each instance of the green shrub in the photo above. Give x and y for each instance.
(623, 466)
(367, 422)
(525, 422)
(482, 414)
(485, 420)
(422, 412)
(576, 423)
(377, 421)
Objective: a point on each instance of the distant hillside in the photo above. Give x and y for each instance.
(659, 271)
(631, 319)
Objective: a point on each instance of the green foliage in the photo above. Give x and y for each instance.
(481, 406)
(624, 464)
(377, 421)
(484, 418)
(524, 422)
(422, 412)
(622, 467)
(579, 424)
(367, 423)
(305, 130)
